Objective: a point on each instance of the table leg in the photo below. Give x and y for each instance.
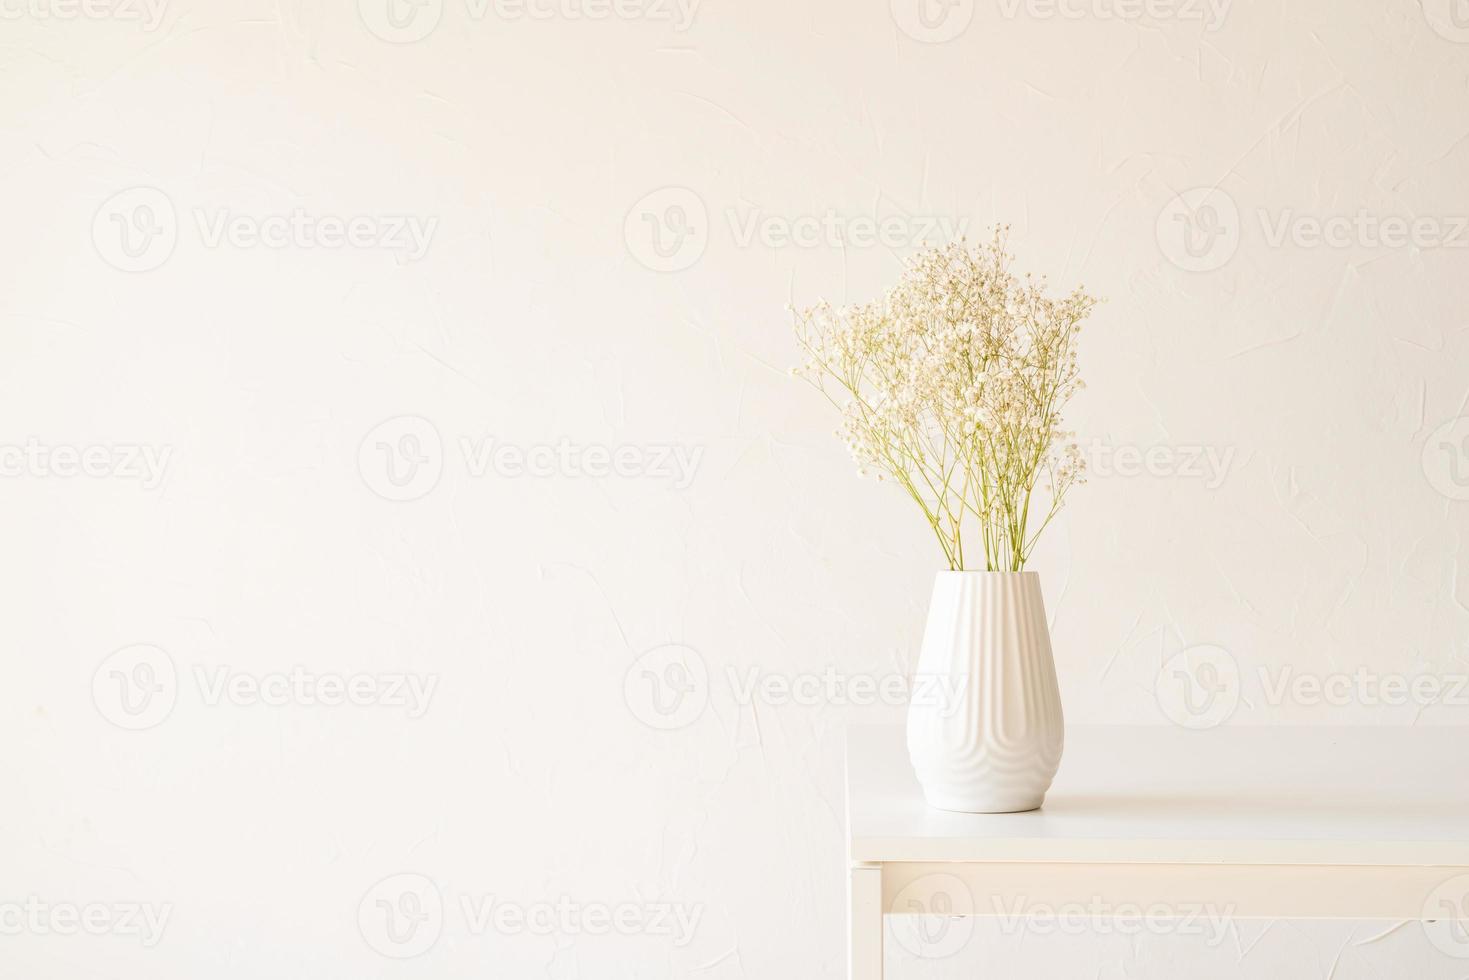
(864, 923)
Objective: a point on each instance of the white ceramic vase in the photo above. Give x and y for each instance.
(984, 725)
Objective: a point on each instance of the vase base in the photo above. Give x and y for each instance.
(1001, 803)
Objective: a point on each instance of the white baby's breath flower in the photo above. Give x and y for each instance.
(953, 384)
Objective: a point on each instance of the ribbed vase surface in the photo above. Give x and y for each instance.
(985, 730)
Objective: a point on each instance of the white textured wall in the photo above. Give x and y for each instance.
(779, 152)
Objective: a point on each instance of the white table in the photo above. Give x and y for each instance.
(1362, 823)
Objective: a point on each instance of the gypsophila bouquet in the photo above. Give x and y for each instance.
(953, 385)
